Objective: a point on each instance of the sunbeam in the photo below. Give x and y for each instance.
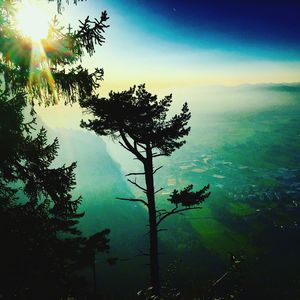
(33, 22)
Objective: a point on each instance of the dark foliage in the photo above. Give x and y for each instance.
(41, 249)
(140, 116)
(187, 197)
(41, 244)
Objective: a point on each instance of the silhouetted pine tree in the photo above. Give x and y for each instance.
(40, 242)
(139, 121)
(41, 246)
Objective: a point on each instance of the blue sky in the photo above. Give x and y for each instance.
(248, 23)
(188, 43)
(171, 43)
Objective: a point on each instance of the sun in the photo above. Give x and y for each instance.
(32, 21)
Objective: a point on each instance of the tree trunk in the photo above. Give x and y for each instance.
(154, 263)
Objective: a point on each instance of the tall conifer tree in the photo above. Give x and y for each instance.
(140, 123)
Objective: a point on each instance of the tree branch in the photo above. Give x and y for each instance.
(158, 190)
(138, 173)
(140, 145)
(131, 148)
(158, 154)
(174, 211)
(133, 200)
(157, 169)
(124, 146)
(160, 210)
(137, 185)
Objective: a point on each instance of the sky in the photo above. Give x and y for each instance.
(171, 43)
(187, 44)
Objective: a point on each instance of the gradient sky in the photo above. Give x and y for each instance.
(207, 23)
(171, 43)
(186, 44)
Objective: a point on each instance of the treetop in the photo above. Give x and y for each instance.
(139, 116)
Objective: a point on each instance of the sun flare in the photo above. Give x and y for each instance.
(32, 21)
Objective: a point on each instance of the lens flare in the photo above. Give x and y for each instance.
(41, 80)
(32, 21)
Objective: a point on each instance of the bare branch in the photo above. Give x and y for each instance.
(159, 190)
(160, 213)
(124, 146)
(131, 148)
(174, 211)
(157, 169)
(137, 185)
(133, 200)
(138, 173)
(166, 214)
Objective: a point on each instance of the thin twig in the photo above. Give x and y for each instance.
(137, 185)
(159, 190)
(137, 173)
(157, 169)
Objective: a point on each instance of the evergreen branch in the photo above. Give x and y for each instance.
(90, 32)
